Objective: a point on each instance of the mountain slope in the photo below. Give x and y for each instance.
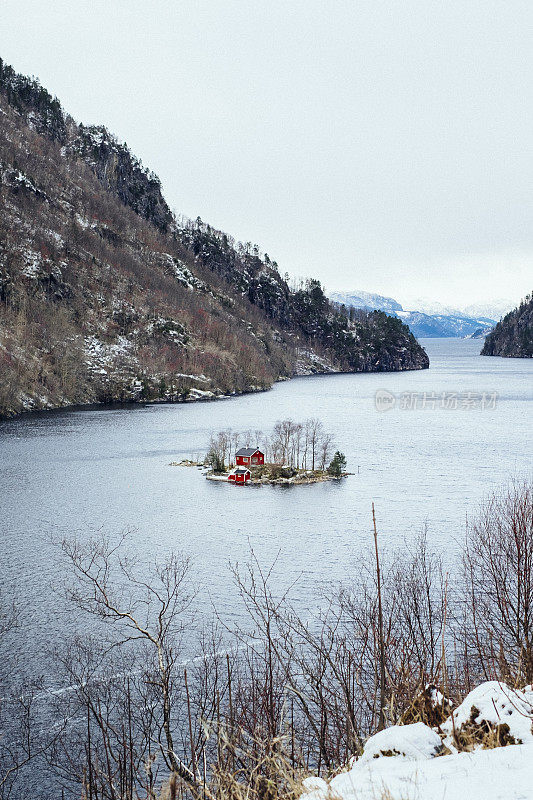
(105, 296)
(443, 322)
(513, 335)
(495, 310)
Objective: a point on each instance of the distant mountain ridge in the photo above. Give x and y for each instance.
(513, 335)
(441, 323)
(106, 296)
(368, 301)
(493, 311)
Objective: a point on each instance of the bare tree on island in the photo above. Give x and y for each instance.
(314, 431)
(220, 447)
(297, 445)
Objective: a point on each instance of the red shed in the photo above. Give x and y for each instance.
(240, 475)
(249, 456)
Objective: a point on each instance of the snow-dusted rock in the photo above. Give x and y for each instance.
(480, 718)
(315, 788)
(414, 742)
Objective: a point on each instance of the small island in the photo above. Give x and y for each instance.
(295, 453)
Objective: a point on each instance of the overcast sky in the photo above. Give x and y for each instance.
(384, 146)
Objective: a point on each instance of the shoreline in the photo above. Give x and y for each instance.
(132, 404)
(302, 478)
(294, 481)
(117, 404)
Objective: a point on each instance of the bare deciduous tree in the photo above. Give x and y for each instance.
(285, 684)
(151, 608)
(314, 431)
(498, 585)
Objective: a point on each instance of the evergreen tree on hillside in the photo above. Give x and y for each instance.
(513, 335)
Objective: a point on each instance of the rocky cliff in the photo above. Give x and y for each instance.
(105, 296)
(513, 335)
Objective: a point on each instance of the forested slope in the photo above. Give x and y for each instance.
(105, 296)
(513, 335)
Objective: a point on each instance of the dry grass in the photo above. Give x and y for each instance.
(424, 709)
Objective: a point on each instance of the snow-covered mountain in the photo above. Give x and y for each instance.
(367, 301)
(495, 310)
(427, 320)
(432, 307)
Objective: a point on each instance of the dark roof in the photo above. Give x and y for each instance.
(247, 451)
(241, 471)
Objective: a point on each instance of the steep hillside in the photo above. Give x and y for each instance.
(513, 335)
(105, 296)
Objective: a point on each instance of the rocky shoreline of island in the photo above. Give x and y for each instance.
(268, 474)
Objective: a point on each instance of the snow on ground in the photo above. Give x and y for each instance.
(200, 394)
(505, 773)
(83, 222)
(405, 762)
(201, 378)
(100, 357)
(32, 263)
(23, 180)
(181, 272)
(309, 363)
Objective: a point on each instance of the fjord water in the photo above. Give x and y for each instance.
(82, 471)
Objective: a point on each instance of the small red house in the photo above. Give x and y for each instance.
(240, 475)
(249, 456)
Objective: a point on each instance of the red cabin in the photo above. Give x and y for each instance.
(240, 475)
(249, 457)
